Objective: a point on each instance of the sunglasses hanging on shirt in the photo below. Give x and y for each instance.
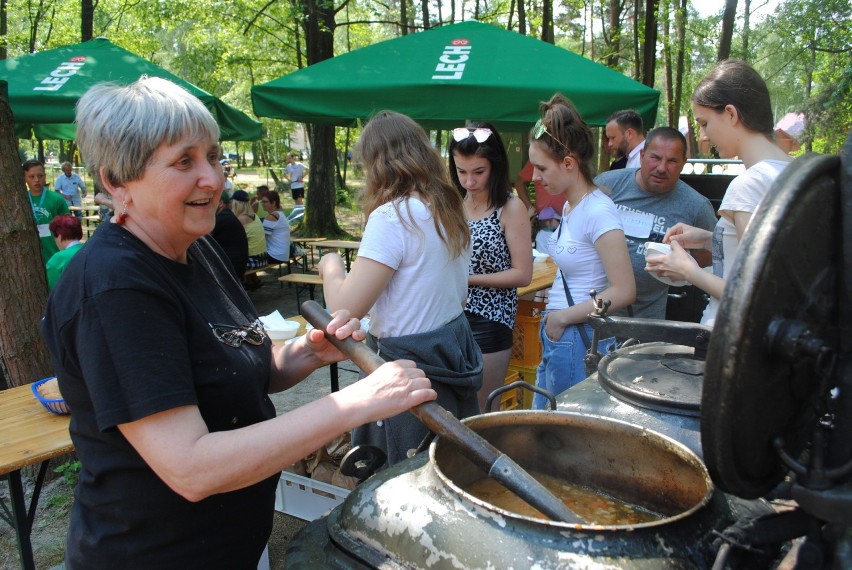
(234, 336)
(481, 135)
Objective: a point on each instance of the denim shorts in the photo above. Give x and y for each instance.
(562, 363)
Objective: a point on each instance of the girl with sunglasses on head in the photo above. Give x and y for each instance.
(410, 274)
(588, 247)
(733, 111)
(501, 252)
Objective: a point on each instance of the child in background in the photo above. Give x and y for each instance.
(548, 221)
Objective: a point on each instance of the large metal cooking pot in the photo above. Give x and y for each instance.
(417, 514)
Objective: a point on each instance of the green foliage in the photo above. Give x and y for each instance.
(226, 46)
(61, 501)
(70, 471)
(345, 197)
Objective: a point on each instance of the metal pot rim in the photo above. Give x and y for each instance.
(525, 416)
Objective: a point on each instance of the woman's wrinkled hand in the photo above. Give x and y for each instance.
(392, 389)
(688, 237)
(679, 265)
(342, 325)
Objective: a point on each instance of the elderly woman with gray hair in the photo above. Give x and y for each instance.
(164, 363)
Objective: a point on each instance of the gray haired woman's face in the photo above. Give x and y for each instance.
(174, 202)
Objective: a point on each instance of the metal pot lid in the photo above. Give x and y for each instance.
(655, 375)
(759, 385)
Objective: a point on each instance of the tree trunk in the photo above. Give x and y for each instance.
(809, 82)
(297, 36)
(547, 22)
(728, 20)
(746, 25)
(403, 17)
(680, 25)
(665, 14)
(87, 19)
(321, 197)
(4, 53)
(614, 34)
(24, 357)
(424, 9)
(522, 18)
(649, 52)
(692, 150)
(637, 43)
(321, 194)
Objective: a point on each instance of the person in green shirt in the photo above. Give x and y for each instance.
(45, 203)
(67, 233)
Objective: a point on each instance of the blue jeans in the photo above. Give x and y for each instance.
(562, 362)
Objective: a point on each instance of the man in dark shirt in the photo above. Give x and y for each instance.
(229, 233)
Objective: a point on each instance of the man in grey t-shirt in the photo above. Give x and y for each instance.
(650, 200)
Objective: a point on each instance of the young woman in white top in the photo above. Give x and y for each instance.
(589, 246)
(732, 108)
(276, 226)
(411, 274)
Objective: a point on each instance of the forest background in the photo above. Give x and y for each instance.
(803, 48)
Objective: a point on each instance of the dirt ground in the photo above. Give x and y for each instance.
(52, 516)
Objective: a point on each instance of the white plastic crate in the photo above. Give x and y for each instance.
(305, 498)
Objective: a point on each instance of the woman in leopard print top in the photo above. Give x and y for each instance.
(501, 256)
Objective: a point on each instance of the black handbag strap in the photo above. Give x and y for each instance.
(580, 328)
(583, 332)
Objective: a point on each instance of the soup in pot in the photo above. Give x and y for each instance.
(592, 505)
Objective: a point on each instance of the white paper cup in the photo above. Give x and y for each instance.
(652, 249)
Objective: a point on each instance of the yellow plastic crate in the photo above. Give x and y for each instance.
(526, 345)
(527, 374)
(510, 400)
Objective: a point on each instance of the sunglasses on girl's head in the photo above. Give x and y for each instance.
(539, 129)
(481, 135)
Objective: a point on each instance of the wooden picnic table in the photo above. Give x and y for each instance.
(84, 208)
(304, 243)
(346, 246)
(29, 434)
(544, 272)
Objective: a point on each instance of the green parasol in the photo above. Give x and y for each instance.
(44, 88)
(442, 76)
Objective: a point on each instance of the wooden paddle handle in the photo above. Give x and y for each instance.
(437, 419)
(496, 464)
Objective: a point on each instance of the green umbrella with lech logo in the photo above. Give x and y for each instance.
(443, 76)
(44, 88)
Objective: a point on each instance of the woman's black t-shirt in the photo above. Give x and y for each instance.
(130, 335)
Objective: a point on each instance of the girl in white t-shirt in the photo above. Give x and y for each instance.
(411, 274)
(589, 247)
(733, 111)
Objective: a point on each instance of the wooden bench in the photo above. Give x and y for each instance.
(90, 223)
(303, 282)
